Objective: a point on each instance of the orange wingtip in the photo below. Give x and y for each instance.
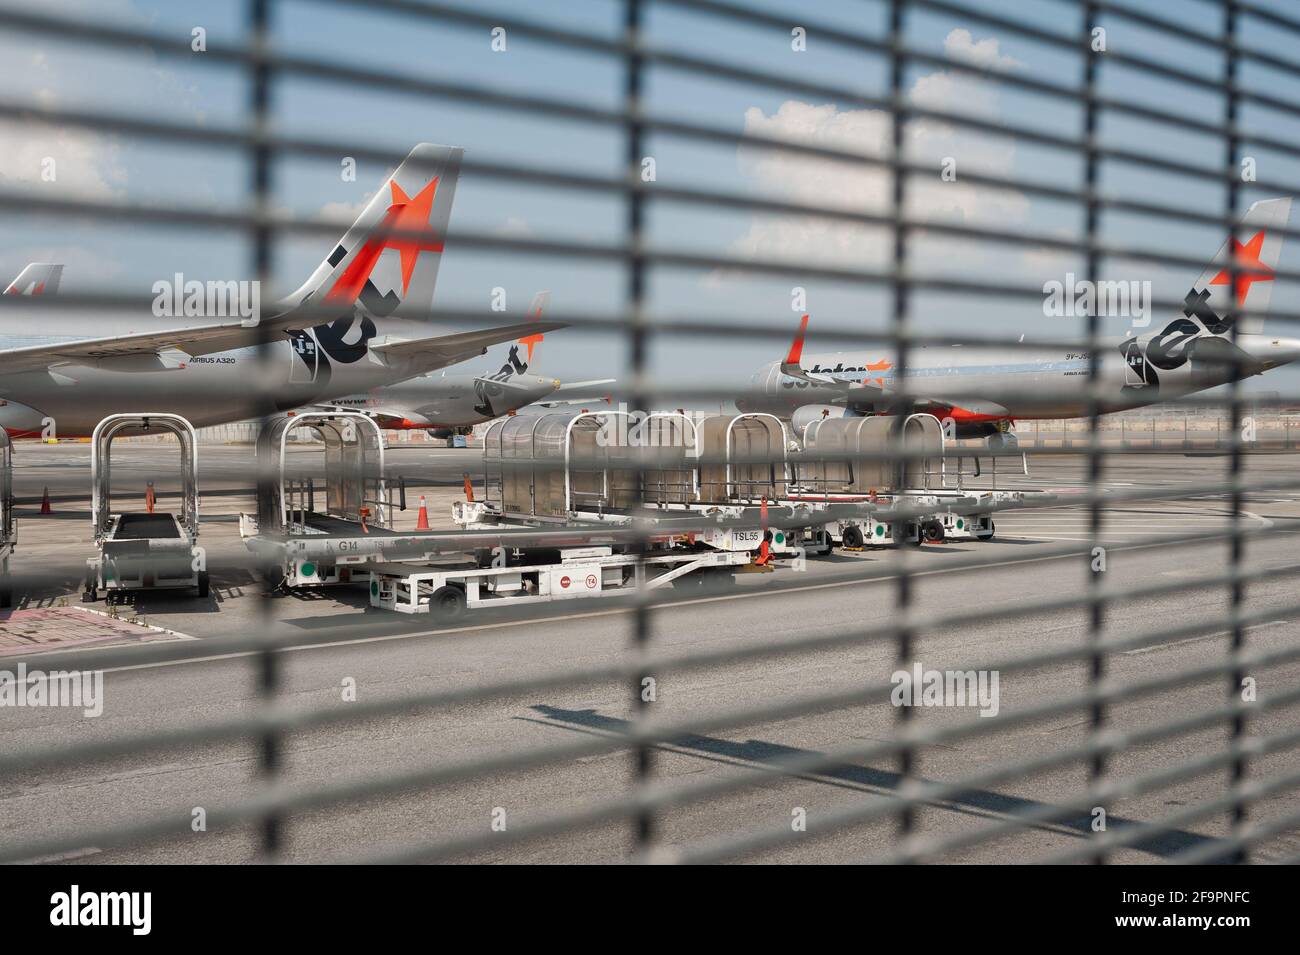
(796, 346)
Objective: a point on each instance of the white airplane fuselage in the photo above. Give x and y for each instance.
(985, 385)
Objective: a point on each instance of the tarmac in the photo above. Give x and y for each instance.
(345, 643)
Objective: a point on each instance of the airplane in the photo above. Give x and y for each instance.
(446, 403)
(970, 388)
(375, 291)
(38, 278)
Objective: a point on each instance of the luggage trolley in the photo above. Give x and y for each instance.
(151, 550)
(8, 529)
(350, 507)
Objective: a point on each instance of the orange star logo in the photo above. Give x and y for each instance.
(532, 341)
(405, 214)
(535, 339)
(411, 215)
(1249, 266)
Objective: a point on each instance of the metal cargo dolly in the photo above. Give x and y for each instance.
(310, 532)
(578, 573)
(150, 550)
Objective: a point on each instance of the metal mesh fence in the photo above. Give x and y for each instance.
(1090, 757)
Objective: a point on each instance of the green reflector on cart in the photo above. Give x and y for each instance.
(780, 538)
(374, 587)
(308, 569)
(880, 530)
(960, 525)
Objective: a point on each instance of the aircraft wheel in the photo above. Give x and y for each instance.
(447, 603)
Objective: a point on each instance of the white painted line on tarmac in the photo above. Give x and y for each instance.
(1208, 636)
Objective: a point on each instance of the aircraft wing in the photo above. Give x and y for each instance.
(197, 340)
(591, 383)
(428, 354)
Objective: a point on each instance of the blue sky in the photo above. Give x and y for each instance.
(192, 90)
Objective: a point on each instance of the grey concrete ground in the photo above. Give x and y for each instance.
(389, 656)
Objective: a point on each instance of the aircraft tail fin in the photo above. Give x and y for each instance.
(1252, 252)
(390, 275)
(38, 278)
(532, 340)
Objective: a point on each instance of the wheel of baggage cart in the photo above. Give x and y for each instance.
(273, 577)
(932, 531)
(204, 584)
(91, 593)
(447, 603)
(852, 536)
(993, 529)
(720, 578)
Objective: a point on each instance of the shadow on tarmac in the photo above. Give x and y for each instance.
(1160, 842)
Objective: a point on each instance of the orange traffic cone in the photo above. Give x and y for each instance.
(45, 502)
(365, 512)
(148, 498)
(469, 490)
(422, 516)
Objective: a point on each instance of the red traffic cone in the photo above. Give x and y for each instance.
(422, 516)
(45, 502)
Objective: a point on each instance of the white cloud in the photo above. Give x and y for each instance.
(865, 188)
(83, 165)
(515, 227)
(960, 45)
(343, 211)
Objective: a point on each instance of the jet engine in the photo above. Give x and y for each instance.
(22, 421)
(805, 415)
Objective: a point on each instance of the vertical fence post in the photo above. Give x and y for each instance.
(1237, 588)
(898, 176)
(1097, 614)
(268, 675)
